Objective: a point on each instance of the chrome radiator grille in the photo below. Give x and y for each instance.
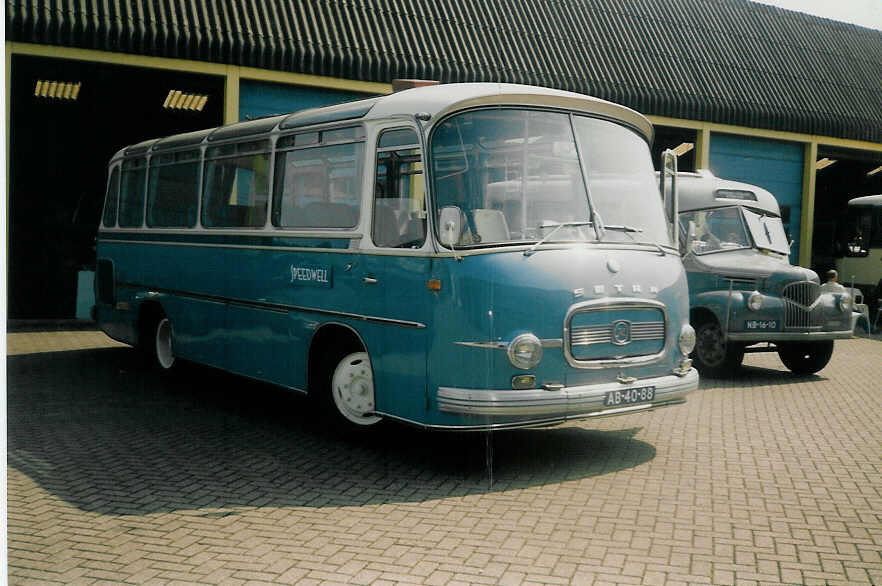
(603, 334)
(801, 307)
(612, 330)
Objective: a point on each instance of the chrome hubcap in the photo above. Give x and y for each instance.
(353, 388)
(164, 354)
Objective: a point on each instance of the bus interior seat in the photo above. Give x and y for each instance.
(491, 225)
(393, 225)
(386, 230)
(321, 214)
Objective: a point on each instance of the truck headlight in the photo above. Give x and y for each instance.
(525, 351)
(687, 339)
(844, 302)
(755, 301)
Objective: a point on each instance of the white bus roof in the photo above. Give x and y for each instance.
(867, 200)
(703, 190)
(434, 101)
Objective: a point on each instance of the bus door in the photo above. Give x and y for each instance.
(396, 270)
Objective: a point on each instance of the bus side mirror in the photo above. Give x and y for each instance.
(451, 223)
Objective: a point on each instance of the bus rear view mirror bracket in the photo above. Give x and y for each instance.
(690, 238)
(668, 188)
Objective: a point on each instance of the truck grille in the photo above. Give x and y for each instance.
(801, 307)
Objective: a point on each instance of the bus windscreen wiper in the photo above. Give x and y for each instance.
(629, 230)
(557, 226)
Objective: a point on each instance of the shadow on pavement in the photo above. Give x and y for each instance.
(758, 376)
(96, 430)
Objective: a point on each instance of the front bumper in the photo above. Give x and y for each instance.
(760, 336)
(536, 406)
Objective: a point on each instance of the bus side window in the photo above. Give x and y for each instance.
(318, 187)
(173, 190)
(112, 199)
(236, 188)
(131, 197)
(399, 219)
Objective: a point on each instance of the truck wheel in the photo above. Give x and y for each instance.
(352, 388)
(713, 356)
(806, 357)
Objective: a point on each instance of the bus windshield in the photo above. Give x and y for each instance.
(517, 176)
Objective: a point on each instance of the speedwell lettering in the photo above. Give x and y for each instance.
(308, 274)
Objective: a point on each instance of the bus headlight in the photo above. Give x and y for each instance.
(687, 339)
(844, 302)
(755, 301)
(525, 351)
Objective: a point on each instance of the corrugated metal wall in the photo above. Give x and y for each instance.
(727, 61)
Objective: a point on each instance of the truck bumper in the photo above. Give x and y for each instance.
(757, 337)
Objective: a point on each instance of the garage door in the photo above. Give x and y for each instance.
(771, 164)
(258, 99)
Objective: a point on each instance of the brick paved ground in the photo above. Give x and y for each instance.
(117, 475)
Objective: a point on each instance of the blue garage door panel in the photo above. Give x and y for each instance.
(258, 99)
(772, 164)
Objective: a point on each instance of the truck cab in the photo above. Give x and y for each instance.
(744, 295)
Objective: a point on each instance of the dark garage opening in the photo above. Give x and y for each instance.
(850, 175)
(59, 149)
(669, 137)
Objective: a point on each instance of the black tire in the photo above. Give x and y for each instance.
(713, 356)
(156, 341)
(805, 357)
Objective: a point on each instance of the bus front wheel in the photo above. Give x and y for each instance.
(352, 388)
(806, 357)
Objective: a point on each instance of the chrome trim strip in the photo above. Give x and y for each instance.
(789, 336)
(605, 304)
(501, 345)
(281, 307)
(266, 232)
(568, 403)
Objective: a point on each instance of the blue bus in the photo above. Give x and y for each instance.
(463, 256)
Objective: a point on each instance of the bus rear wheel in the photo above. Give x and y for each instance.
(715, 357)
(352, 388)
(806, 357)
(157, 341)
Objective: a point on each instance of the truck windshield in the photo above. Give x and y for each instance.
(716, 230)
(767, 231)
(721, 229)
(516, 177)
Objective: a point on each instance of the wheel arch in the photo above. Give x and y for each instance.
(330, 342)
(148, 311)
(700, 315)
